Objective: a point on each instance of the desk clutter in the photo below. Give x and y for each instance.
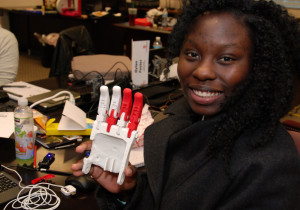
(40, 194)
(113, 115)
(57, 142)
(73, 125)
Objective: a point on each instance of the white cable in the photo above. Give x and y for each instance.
(71, 98)
(38, 196)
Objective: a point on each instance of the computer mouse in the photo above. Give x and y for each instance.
(83, 184)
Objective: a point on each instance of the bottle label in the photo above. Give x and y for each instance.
(24, 138)
(157, 46)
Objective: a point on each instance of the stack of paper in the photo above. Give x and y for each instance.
(28, 90)
(7, 124)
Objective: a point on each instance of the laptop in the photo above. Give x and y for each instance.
(52, 103)
(9, 187)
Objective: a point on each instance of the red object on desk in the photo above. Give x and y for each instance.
(42, 179)
(142, 22)
(70, 11)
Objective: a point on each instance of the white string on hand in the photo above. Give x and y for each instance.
(39, 197)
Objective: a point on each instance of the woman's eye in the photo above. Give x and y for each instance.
(192, 54)
(227, 59)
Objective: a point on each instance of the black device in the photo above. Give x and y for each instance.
(83, 184)
(3, 96)
(47, 161)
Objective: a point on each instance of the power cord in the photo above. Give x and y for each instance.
(84, 76)
(111, 68)
(38, 196)
(71, 98)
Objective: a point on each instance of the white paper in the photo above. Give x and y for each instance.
(140, 62)
(7, 124)
(136, 157)
(73, 118)
(30, 90)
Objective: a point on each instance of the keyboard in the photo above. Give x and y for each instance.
(9, 187)
(6, 183)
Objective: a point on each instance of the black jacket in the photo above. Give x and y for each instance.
(181, 175)
(72, 42)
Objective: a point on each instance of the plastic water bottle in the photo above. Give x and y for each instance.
(164, 21)
(157, 43)
(24, 133)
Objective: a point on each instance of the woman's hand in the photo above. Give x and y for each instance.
(106, 179)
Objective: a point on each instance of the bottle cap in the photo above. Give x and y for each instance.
(22, 102)
(157, 38)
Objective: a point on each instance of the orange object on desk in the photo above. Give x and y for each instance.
(142, 22)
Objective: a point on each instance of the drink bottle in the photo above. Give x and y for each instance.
(164, 21)
(157, 43)
(24, 133)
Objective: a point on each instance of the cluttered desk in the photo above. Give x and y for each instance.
(52, 164)
(60, 171)
(52, 161)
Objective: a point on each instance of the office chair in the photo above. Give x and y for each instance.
(71, 42)
(111, 67)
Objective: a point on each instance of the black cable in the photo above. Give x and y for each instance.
(91, 109)
(114, 66)
(118, 69)
(85, 75)
(103, 76)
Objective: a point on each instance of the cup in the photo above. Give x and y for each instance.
(132, 14)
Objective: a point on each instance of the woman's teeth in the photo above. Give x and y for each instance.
(206, 93)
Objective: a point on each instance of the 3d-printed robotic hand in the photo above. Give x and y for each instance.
(112, 137)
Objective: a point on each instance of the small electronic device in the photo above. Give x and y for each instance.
(47, 161)
(68, 190)
(83, 184)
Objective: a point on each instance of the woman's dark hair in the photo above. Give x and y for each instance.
(266, 94)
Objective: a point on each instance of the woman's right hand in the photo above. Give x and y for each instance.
(105, 178)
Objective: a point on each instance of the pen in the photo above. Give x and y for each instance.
(15, 94)
(34, 159)
(65, 146)
(55, 172)
(13, 86)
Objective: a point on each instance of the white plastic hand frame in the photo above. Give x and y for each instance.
(113, 141)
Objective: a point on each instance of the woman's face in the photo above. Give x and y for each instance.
(214, 59)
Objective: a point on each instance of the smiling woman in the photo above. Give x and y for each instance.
(215, 57)
(237, 63)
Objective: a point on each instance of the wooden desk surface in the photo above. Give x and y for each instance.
(143, 28)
